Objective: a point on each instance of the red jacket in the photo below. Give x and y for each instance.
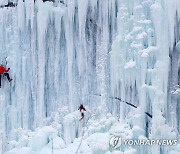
(3, 70)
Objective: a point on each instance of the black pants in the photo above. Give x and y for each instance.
(5, 74)
(82, 115)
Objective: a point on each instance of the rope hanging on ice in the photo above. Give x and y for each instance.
(119, 99)
(81, 139)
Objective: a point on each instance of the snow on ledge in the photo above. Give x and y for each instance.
(130, 64)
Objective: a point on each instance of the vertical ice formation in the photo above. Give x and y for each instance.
(140, 62)
(58, 56)
(91, 51)
(173, 115)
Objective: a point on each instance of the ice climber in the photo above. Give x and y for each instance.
(82, 110)
(4, 71)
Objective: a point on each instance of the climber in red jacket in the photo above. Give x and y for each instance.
(4, 72)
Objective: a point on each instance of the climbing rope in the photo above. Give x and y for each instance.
(119, 99)
(81, 137)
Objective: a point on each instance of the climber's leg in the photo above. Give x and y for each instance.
(7, 75)
(82, 115)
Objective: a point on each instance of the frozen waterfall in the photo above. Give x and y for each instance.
(120, 58)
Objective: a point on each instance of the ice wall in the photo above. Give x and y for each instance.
(4, 2)
(58, 54)
(140, 63)
(174, 73)
(91, 51)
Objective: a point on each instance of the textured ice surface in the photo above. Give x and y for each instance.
(3, 2)
(46, 139)
(90, 52)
